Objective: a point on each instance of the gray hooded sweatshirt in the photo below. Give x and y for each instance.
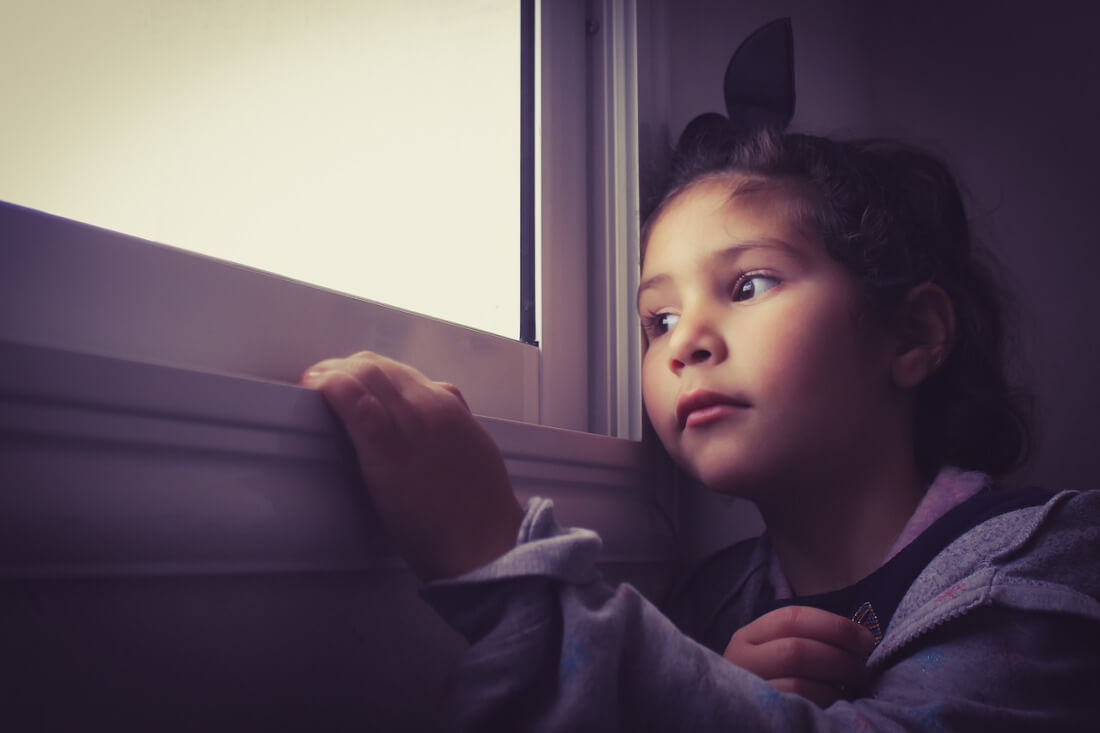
(999, 631)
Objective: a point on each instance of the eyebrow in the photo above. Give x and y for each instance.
(730, 253)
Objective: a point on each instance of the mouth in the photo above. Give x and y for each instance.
(703, 406)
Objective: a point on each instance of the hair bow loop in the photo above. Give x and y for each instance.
(758, 88)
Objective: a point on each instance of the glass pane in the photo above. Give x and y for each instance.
(367, 147)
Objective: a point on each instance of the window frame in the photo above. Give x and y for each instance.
(582, 376)
(74, 291)
(591, 343)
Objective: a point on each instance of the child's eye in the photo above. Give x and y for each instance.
(752, 286)
(659, 324)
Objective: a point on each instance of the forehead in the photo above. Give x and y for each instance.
(720, 212)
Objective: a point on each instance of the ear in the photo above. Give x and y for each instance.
(925, 333)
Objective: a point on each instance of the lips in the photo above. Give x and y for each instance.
(703, 406)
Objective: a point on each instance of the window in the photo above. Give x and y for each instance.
(368, 148)
(72, 287)
(158, 304)
(130, 396)
(147, 430)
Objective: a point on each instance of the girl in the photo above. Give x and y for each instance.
(820, 340)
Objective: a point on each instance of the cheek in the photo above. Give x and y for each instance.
(805, 352)
(650, 389)
(779, 347)
(819, 359)
(658, 396)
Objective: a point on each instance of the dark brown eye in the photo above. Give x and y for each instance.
(665, 322)
(752, 286)
(658, 324)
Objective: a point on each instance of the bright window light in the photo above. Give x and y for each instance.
(366, 146)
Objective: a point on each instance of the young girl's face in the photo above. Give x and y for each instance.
(756, 374)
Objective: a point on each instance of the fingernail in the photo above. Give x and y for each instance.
(312, 377)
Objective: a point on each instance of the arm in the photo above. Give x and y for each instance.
(572, 654)
(554, 648)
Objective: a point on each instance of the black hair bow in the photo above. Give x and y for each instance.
(758, 87)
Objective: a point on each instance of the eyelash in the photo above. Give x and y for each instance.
(747, 277)
(651, 325)
(651, 322)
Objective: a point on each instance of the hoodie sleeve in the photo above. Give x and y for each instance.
(555, 648)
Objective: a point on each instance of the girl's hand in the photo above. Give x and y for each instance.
(437, 479)
(805, 650)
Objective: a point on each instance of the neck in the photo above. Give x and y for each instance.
(832, 534)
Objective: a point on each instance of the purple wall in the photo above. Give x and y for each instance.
(1010, 97)
(1007, 95)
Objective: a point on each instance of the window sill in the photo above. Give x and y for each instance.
(119, 467)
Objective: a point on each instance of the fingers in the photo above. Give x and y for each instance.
(363, 396)
(388, 380)
(805, 659)
(385, 377)
(807, 622)
(817, 654)
(376, 394)
(354, 405)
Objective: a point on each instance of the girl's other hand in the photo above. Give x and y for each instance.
(436, 478)
(805, 650)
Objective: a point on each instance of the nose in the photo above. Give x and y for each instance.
(695, 341)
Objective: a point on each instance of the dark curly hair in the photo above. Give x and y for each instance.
(893, 215)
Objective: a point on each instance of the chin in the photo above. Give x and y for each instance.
(732, 481)
(750, 475)
(722, 468)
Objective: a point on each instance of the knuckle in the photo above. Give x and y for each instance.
(450, 388)
(790, 652)
(339, 387)
(787, 618)
(370, 418)
(365, 408)
(369, 371)
(844, 629)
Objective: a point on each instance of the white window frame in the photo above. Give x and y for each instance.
(591, 360)
(615, 406)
